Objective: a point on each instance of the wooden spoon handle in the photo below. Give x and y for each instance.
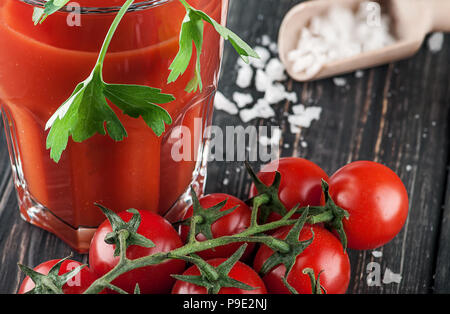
(440, 15)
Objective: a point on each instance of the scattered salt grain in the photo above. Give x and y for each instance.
(339, 81)
(265, 40)
(264, 56)
(242, 99)
(262, 81)
(359, 74)
(261, 109)
(222, 103)
(275, 69)
(377, 254)
(277, 92)
(408, 168)
(303, 116)
(294, 129)
(303, 144)
(244, 76)
(273, 47)
(226, 181)
(391, 277)
(435, 42)
(340, 33)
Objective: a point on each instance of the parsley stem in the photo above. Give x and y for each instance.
(112, 30)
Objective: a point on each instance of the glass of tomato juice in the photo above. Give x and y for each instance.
(40, 67)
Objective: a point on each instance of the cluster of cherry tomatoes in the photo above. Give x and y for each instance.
(372, 194)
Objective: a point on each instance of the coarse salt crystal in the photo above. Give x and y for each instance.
(339, 81)
(294, 129)
(303, 116)
(275, 69)
(377, 254)
(222, 103)
(262, 81)
(340, 33)
(245, 76)
(273, 47)
(261, 109)
(435, 42)
(264, 56)
(242, 99)
(359, 74)
(265, 40)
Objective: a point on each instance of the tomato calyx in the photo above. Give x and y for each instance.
(330, 214)
(51, 283)
(289, 258)
(202, 219)
(214, 278)
(124, 233)
(273, 203)
(316, 286)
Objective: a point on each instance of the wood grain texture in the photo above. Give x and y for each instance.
(396, 114)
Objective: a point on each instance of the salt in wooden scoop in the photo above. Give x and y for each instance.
(412, 20)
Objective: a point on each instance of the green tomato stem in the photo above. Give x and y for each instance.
(126, 265)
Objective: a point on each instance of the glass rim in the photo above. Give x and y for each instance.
(139, 6)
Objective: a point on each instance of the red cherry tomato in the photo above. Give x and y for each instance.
(151, 279)
(235, 222)
(76, 285)
(325, 254)
(301, 182)
(376, 200)
(240, 272)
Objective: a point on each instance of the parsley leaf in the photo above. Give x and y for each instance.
(135, 101)
(87, 112)
(40, 14)
(192, 34)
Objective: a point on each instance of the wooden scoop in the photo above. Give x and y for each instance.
(412, 20)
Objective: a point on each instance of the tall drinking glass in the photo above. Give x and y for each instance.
(40, 67)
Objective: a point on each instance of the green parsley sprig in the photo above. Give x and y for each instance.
(192, 33)
(86, 112)
(52, 6)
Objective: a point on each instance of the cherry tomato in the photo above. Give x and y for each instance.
(301, 182)
(325, 254)
(376, 200)
(151, 279)
(76, 285)
(235, 222)
(240, 272)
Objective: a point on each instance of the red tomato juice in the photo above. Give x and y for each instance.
(39, 68)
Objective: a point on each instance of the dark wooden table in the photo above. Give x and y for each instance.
(396, 114)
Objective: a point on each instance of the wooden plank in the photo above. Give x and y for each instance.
(396, 114)
(442, 270)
